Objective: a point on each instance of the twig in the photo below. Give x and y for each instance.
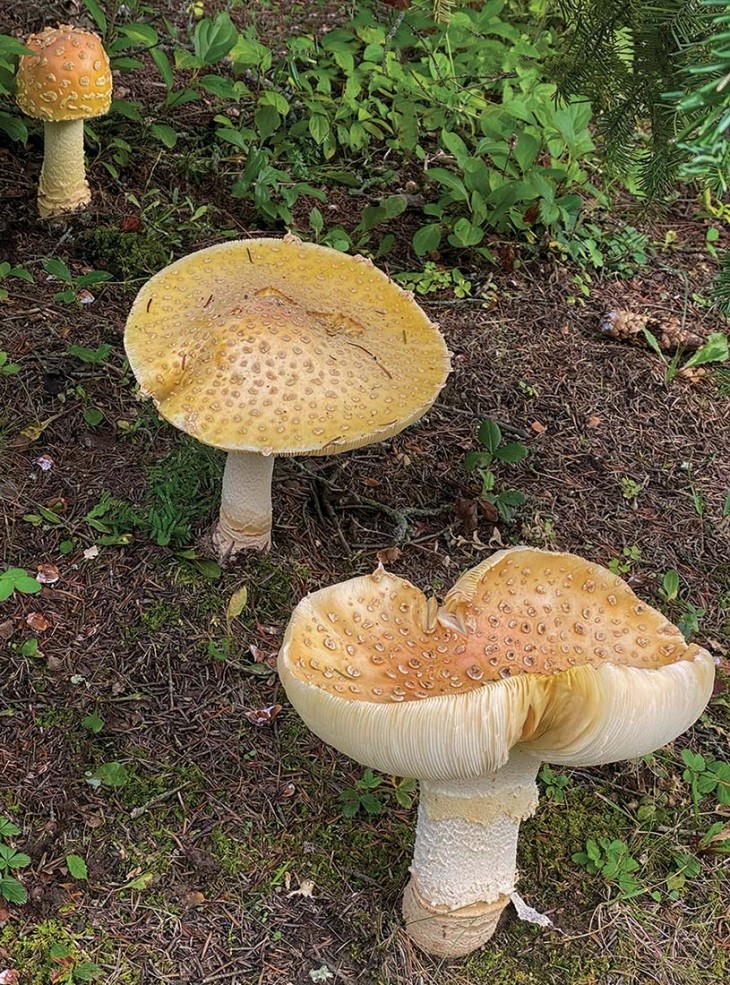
(143, 808)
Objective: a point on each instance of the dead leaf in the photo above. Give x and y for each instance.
(388, 555)
(37, 622)
(91, 552)
(44, 463)
(594, 421)
(466, 510)
(371, 483)
(33, 431)
(236, 605)
(288, 790)
(9, 977)
(193, 898)
(47, 574)
(6, 629)
(538, 427)
(263, 716)
(488, 510)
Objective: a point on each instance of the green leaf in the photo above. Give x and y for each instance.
(167, 135)
(10, 859)
(427, 238)
(97, 13)
(140, 33)
(715, 350)
(13, 126)
(93, 723)
(7, 828)
(12, 891)
(465, 233)
(214, 39)
(162, 62)
(513, 452)
(726, 507)
(670, 584)
(93, 416)
(490, 435)
(93, 356)
(87, 972)
(112, 774)
(267, 121)
(57, 268)
(449, 180)
(77, 867)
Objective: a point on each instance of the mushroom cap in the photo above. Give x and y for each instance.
(283, 347)
(542, 650)
(68, 77)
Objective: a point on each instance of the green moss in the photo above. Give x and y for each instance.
(522, 956)
(158, 615)
(235, 857)
(29, 950)
(126, 255)
(55, 717)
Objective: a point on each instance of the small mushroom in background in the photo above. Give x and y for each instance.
(267, 347)
(66, 81)
(533, 656)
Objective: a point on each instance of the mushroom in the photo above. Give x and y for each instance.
(267, 347)
(532, 656)
(66, 81)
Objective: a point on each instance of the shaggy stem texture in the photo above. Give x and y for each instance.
(245, 516)
(63, 186)
(465, 857)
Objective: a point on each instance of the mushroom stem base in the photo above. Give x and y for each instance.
(245, 516)
(450, 933)
(63, 186)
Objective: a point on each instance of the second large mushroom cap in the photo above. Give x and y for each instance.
(269, 347)
(532, 656)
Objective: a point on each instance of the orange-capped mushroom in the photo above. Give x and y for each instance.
(532, 656)
(66, 80)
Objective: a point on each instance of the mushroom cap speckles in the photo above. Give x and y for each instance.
(522, 611)
(283, 347)
(68, 77)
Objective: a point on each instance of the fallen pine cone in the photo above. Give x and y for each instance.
(669, 332)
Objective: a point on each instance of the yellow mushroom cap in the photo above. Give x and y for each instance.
(68, 77)
(531, 648)
(283, 347)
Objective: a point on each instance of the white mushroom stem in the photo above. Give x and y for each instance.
(63, 186)
(465, 857)
(245, 517)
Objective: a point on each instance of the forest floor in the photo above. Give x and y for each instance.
(217, 849)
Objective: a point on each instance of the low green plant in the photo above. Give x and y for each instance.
(7, 270)
(715, 350)
(611, 859)
(76, 290)
(108, 774)
(554, 784)
(11, 889)
(434, 278)
(8, 368)
(11, 121)
(623, 565)
(630, 488)
(484, 463)
(706, 775)
(69, 967)
(371, 794)
(17, 580)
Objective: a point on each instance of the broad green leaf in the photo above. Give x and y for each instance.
(236, 604)
(214, 39)
(513, 452)
(140, 33)
(165, 134)
(162, 62)
(77, 867)
(427, 238)
(97, 13)
(12, 891)
(670, 584)
(490, 435)
(57, 268)
(715, 350)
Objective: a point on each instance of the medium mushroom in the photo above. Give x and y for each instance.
(267, 347)
(66, 81)
(532, 656)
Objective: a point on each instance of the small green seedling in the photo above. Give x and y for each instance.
(622, 565)
(11, 890)
(434, 278)
(630, 488)
(555, 784)
(6, 271)
(77, 867)
(109, 775)
(92, 723)
(706, 775)
(69, 968)
(17, 580)
(76, 291)
(484, 463)
(370, 794)
(611, 859)
(7, 368)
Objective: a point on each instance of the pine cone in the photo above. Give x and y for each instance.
(669, 332)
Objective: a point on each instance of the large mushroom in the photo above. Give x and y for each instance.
(267, 347)
(532, 656)
(66, 81)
